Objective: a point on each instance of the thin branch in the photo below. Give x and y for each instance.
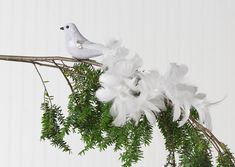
(204, 129)
(31, 62)
(207, 132)
(66, 78)
(48, 59)
(219, 146)
(43, 82)
(36, 58)
(207, 136)
(89, 61)
(173, 163)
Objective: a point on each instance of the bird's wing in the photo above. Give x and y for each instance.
(94, 46)
(79, 36)
(85, 53)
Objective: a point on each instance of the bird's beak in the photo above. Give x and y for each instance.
(62, 28)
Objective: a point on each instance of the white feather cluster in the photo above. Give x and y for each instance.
(134, 93)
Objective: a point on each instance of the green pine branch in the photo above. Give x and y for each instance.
(91, 119)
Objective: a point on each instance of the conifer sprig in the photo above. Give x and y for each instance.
(90, 118)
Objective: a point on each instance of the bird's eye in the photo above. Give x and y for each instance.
(67, 27)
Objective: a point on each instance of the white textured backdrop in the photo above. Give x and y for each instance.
(198, 33)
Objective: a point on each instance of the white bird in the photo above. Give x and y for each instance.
(78, 46)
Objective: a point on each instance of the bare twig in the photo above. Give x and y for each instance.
(66, 78)
(219, 146)
(49, 61)
(46, 60)
(206, 135)
(35, 58)
(61, 70)
(43, 83)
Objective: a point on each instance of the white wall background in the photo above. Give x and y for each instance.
(199, 33)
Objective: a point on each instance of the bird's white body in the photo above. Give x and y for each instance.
(78, 46)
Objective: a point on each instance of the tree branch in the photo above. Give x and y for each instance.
(43, 83)
(50, 61)
(215, 142)
(47, 61)
(68, 82)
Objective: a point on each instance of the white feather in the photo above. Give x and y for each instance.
(176, 112)
(105, 94)
(150, 116)
(186, 113)
(134, 93)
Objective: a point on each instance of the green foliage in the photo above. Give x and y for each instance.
(225, 158)
(193, 148)
(91, 119)
(52, 120)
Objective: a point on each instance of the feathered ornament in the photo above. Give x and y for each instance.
(134, 93)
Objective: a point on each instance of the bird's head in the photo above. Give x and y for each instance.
(70, 29)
